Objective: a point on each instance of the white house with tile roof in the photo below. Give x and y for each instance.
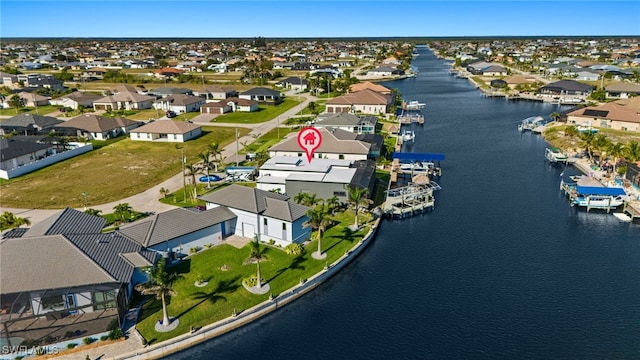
(167, 131)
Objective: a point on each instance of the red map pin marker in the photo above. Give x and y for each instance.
(309, 139)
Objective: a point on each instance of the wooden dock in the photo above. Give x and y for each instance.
(409, 200)
(632, 208)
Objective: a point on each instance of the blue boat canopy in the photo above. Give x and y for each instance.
(418, 156)
(599, 190)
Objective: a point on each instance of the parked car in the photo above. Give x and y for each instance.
(209, 178)
(171, 114)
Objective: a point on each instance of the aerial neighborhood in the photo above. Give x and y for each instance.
(207, 130)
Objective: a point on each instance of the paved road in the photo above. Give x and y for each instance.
(147, 201)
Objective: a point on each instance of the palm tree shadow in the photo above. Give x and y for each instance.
(347, 235)
(224, 286)
(295, 264)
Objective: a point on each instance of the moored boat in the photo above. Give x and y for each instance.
(555, 155)
(530, 123)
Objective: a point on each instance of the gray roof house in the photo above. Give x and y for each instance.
(75, 100)
(622, 90)
(65, 266)
(264, 214)
(179, 103)
(175, 232)
(28, 124)
(350, 122)
(15, 153)
(262, 95)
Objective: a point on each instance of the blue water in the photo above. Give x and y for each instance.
(503, 268)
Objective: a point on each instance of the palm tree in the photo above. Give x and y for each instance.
(632, 151)
(257, 254)
(332, 204)
(319, 221)
(587, 139)
(192, 169)
(206, 165)
(94, 212)
(555, 116)
(357, 197)
(306, 199)
(160, 284)
(9, 220)
(615, 150)
(123, 211)
(600, 144)
(16, 102)
(215, 153)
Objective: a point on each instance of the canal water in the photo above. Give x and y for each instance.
(502, 268)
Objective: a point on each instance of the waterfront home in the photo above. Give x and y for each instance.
(324, 177)
(565, 89)
(336, 144)
(363, 124)
(268, 216)
(95, 127)
(28, 124)
(487, 69)
(166, 131)
(385, 71)
(365, 101)
(620, 115)
(371, 86)
(64, 276)
(178, 232)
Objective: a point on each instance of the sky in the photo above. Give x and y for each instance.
(316, 19)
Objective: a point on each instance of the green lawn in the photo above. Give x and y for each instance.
(265, 141)
(42, 110)
(198, 307)
(266, 113)
(115, 171)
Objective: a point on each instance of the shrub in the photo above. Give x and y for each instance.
(88, 340)
(115, 334)
(271, 241)
(206, 246)
(104, 337)
(71, 345)
(114, 324)
(250, 281)
(193, 250)
(294, 249)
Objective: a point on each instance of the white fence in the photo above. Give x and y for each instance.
(77, 149)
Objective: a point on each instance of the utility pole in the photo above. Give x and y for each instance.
(236, 146)
(184, 181)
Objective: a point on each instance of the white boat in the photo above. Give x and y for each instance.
(414, 105)
(555, 155)
(605, 202)
(530, 123)
(408, 135)
(418, 167)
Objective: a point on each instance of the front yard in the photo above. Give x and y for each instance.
(115, 171)
(225, 267)
(266, 113)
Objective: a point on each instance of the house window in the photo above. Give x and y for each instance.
(104, 299)
(148, 136)
(339, 193)
(299, 154)
(175, 136)
(319, 156)
(138, 135)
(284, 226)
(264, 221)
(266, 228)
(52, 302)
(341, 156)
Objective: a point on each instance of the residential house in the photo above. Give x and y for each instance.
(96, 73)
(324, 177)
(16, 152)
(565, 89)
(384, 71)
(166, 73)
(587, 75)
(65, 266)
(175, 232)
(163, 92)
(371, 86)
(7, 79)
(167, 131)
(124, 101)
(180, 103)
(487, 69)
(28, 124)
(44, 81)
(29, 99)
(217, 107)
(262, 214)
(262, 95)
(216, 92)
(219, 68)
(298, 84)
(622, 90)
(364, 124)
(619, 115)
(336, 144)
(95, 127)
(365, 101)
(242, 105)
(75, 100)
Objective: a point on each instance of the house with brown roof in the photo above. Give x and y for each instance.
(167, 73)
(28, 100)
(124, 101)
(336, 144)
(166, 131)
(242, 105)
(365, 101)
(95, 127)
(620, 115)
(262, 214)
(75, 100)
(371, 86)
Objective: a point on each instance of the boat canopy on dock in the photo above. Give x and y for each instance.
(418, 156)
(599, 190)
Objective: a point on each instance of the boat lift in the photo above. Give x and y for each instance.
(417, 157)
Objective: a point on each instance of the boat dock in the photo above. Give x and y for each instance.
(411, 113)
(409, 200)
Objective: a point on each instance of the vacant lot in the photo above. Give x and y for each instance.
(110, 173)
